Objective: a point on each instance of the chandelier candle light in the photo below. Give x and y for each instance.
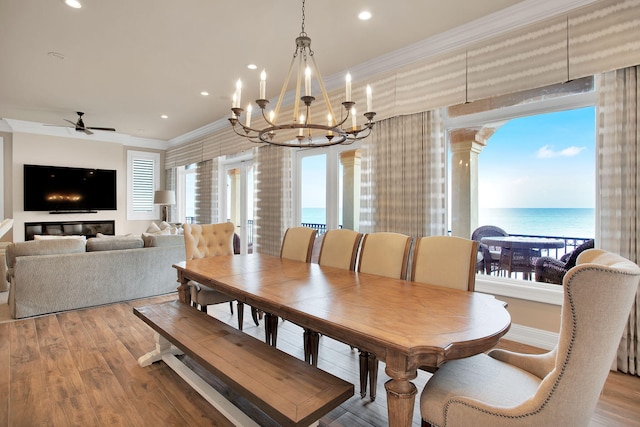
(308, 134)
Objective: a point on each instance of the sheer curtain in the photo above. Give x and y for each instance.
(619, 186)
(273, 198)
(403, 185)
(206, 203)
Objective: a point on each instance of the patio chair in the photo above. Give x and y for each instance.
(488, 257)
(552, 270)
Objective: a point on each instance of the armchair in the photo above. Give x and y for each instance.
(560, 387)
(552, 270)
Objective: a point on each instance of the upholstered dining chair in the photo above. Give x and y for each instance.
(442, 261)
(339, 249)
(384, 254)
(297, 245)
(560, 387)
(206, 240)
(446, 261)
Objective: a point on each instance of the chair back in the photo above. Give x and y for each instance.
(487, 231)
(598, 295)
(445, 261)
(297, 244)
(205, 240)
(385, 254)
(340, 248)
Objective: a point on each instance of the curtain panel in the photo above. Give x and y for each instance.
(403, 178)
(619, 186)
(273, 198)
(204, 205)
(170, 184)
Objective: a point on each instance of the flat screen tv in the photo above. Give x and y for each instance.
(60, 189)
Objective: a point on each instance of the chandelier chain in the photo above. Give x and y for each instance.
(303, 33)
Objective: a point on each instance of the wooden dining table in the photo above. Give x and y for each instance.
(407, 325)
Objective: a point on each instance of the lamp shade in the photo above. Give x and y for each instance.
(164, 197)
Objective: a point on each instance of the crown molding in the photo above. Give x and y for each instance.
(23, 126)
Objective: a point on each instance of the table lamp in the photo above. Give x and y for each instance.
(164, 198)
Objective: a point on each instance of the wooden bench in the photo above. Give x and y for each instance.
(287, 389)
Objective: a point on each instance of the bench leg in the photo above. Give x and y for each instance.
(163, 346)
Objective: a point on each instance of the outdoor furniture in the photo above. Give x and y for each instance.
(552, 270)
(559, 388)
(488, 256)
(518, 253)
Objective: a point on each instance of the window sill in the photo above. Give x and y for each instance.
(526, 290)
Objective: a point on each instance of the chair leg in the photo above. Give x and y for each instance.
(373, 375)
(254, 316)
(240, 314)
(231, 307)
(364, 372)
(311, 344)
(271, 329)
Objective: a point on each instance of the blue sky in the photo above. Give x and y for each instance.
(543, 161)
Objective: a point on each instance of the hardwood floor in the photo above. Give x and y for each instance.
(80, 368)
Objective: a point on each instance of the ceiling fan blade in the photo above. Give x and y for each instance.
(73, 123)
(85, 130)
(108, 129)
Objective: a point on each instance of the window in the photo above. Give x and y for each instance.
(186, 193)
(327, 187)
(143, 178)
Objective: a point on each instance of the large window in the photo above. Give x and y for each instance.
(327, 187)
(143, 178)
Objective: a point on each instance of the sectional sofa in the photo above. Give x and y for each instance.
(48, 276)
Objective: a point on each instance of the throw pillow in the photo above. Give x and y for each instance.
(113, 243)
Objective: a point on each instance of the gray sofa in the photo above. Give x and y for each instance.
(48, 276)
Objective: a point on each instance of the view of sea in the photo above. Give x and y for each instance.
(558, 222)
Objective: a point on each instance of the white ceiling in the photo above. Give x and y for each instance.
(128, 62)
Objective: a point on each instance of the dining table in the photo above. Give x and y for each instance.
(407, 325)
(518, 253)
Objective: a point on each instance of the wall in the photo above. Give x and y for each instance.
(69, 152)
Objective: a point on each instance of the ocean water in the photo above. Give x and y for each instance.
(558, 222)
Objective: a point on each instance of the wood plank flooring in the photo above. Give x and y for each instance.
(79, 368)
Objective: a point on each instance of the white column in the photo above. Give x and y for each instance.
(350, 161)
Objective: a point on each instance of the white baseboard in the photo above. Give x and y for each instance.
(531, 336)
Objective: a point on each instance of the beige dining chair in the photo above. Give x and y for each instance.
(446, 261)
(297, 245)
(207, 240)
(339, 249)
(558, 388)
(383, 254)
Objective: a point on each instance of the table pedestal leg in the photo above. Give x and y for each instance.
(401, 392)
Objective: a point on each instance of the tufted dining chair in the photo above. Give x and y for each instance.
(206, 240)
(384, 254)
(560, 387)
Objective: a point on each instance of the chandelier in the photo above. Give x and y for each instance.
(301, 131)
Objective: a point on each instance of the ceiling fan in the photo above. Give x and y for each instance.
(80, 127)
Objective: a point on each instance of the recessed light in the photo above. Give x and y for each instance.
(164, 116)
(73, 3)
(204, 93)
(364, 15)
(252, 66)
